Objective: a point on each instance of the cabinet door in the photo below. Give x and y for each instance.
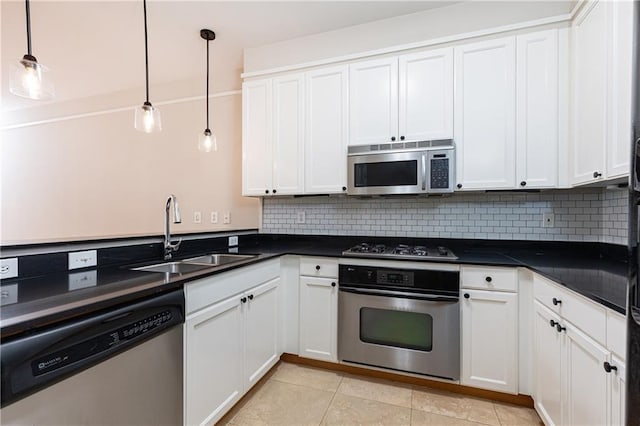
(318, 318)
(490, 340)
(485, 105)
(373, 101)
(618, 392)
(590, 35)
(256, 138)
(587, 384)
(620, 88)
(326, 130)
(213, 355)
(426, 95)
(260, 331)
(288, 134)
(537, 109)
(547, 368)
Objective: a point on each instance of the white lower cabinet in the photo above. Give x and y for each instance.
(578, 380)
(489, 314)
(318, 308)
(318, 318)
(490, 340)
(228, 347)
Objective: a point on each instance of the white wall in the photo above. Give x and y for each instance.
(464, 17)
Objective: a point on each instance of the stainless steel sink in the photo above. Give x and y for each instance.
(195, 264)
(219, 259)
(173, 267)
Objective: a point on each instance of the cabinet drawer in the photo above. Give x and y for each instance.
(501, 279)
(319, 267)
(617, 334)
(586, 315)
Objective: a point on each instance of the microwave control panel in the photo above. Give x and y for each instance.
(440, 172)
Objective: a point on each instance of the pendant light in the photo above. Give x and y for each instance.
(29, 78)
(147, 117)
(207, 140)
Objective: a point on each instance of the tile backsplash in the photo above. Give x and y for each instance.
(586, 214)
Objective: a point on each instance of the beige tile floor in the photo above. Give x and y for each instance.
(299, 395)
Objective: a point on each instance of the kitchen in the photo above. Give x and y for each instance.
(276, 185)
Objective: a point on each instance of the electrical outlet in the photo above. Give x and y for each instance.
(197, 217)
(226, 218)
(233, 241)
(8, 268)
(83, 259)
(214, 217)
(547, 220)
(301, 217)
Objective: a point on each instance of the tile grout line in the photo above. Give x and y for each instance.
(326, 411)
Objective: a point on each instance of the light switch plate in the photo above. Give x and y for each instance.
(83, 259)
(233, 241)
(8, 268)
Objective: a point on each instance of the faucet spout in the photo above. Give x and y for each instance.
(170, 247)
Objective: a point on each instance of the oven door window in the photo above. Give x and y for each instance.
(387, 173)
(400, 329)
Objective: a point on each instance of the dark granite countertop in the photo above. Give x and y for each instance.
(596, 271)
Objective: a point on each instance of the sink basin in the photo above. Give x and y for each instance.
(218, 259)
(173, 267)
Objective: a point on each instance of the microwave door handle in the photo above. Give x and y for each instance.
(424, 173)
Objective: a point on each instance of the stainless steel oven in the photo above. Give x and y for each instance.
(401, 168)
(402, 319)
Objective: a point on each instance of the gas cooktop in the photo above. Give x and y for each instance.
(401, 251)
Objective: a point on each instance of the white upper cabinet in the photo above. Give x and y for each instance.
(256, 137)
(537, 109)
(405, 98)
(326, 130)
(288, 135)
(602, 52)
(373, 109)
(485, 105)
(425, 110)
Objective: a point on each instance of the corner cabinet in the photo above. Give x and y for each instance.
(602, 52)
(489, 328)
(402, 98)
(272, 136)
(231, 343)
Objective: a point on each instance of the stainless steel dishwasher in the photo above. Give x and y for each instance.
(119, 367)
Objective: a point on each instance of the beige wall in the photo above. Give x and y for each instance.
(96, 177)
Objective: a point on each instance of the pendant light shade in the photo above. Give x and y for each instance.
(147, 117)
(29, 79)
(207, 141)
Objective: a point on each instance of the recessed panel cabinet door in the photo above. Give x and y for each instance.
(256, 137)
(547, 365)
(618, 391)
(587, 389)
(373, 101)
(537, 109)
(590, 39)
(426, 95)
(490, 340)
(318, 318)
(326, 130)
(485, 105)
(288, 135)
(260, 330)
(213, 362)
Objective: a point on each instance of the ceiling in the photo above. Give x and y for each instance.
(97, 47)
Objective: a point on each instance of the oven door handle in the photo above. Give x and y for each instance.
(403, 294)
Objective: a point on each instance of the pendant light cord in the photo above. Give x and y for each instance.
(146, 48)
(207, 85)
(28, 27)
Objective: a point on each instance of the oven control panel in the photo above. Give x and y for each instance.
(391, 277)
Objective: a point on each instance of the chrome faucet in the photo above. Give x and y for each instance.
(169, 247)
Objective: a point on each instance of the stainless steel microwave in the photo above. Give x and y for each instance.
(402, 168)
